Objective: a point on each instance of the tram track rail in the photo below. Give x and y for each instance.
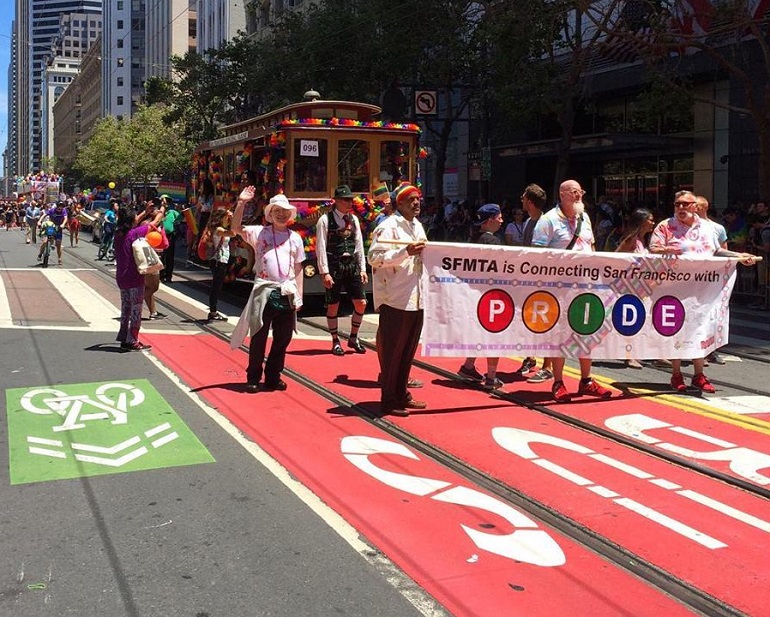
(684, 592)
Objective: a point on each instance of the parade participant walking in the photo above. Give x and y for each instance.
(58, 216)
(170, 225)
(130, 282)
(398, 296)
(489, 219)
(277, 292)
(219, 225)
(533, 200)
(567, 227)
(153, 213)
(640, 223)
(341, 265)
(686, 233)
(74, 223)
(109, 220)
(32, 214)
(381, 195)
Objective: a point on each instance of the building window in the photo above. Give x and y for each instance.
(120, 100)
(120, 24)
(120, 5)
(120, 82)
(120, 44)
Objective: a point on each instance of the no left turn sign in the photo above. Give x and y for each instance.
(425, 102)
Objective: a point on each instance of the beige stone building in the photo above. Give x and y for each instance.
(78, 108)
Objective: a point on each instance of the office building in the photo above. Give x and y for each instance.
(170, 31)
(219, 21)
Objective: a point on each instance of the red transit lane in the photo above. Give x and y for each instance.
(699, 529)
(736, 446)
(475, 553)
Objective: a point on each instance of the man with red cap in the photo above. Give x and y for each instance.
(394, 255)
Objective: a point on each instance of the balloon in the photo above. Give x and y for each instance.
(111, 185)
(154, 239)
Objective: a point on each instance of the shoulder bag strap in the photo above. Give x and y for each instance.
(578, 227)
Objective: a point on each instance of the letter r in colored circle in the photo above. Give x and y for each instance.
(540, 312)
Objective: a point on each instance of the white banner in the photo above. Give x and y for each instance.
(485, 301)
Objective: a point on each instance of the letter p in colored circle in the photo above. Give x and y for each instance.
(495, 310)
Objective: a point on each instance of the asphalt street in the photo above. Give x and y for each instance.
(220, 538)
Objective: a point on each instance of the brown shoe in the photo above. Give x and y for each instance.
(412, 404)
(395, 410)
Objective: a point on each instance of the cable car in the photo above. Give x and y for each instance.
(304, 151)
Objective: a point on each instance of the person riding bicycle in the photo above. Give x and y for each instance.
(108, 230)
(58, 217)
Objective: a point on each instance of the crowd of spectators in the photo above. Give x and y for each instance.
(747, 226)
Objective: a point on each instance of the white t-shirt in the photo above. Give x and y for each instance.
(278, 255)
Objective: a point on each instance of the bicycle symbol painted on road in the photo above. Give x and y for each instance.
(112, 400)
(74, 430)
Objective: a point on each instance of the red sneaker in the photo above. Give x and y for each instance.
(559, 392)
(702, 382)
(594, 389)
(677, 382)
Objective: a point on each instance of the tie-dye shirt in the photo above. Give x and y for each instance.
(700, 238)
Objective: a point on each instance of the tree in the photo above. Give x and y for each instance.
(104, 155)
(138, 150)
(356, 49)
(542, 51)
(728, 39)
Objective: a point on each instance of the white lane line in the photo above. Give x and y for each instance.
(629, 469)
(416, 595)
(749, 519)
(703, 437)
(562, 472)
(674, 525)
(6, 319)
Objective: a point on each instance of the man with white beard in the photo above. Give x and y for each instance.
(567, 227)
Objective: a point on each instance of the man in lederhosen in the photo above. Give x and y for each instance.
(341, 264)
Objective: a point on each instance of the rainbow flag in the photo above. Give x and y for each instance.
(189, 218)
(175, 190)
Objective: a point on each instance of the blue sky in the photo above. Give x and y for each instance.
(7, 10)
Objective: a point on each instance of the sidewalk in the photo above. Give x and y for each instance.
(749, 333)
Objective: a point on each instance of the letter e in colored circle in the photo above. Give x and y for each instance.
(540, 312)
(495, 310)
(668, 315)
(628, 315)
(586, 314)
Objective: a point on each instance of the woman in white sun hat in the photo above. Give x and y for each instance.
(277, 292)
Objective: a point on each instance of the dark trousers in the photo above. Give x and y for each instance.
(399, 336)
(218, 273)
(282, 323)
(168, 256)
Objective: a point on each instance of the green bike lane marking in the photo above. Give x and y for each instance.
(80, 430)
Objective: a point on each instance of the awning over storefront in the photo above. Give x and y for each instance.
(615, 143)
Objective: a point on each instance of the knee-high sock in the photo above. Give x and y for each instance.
(331, 322)
(355, 323)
